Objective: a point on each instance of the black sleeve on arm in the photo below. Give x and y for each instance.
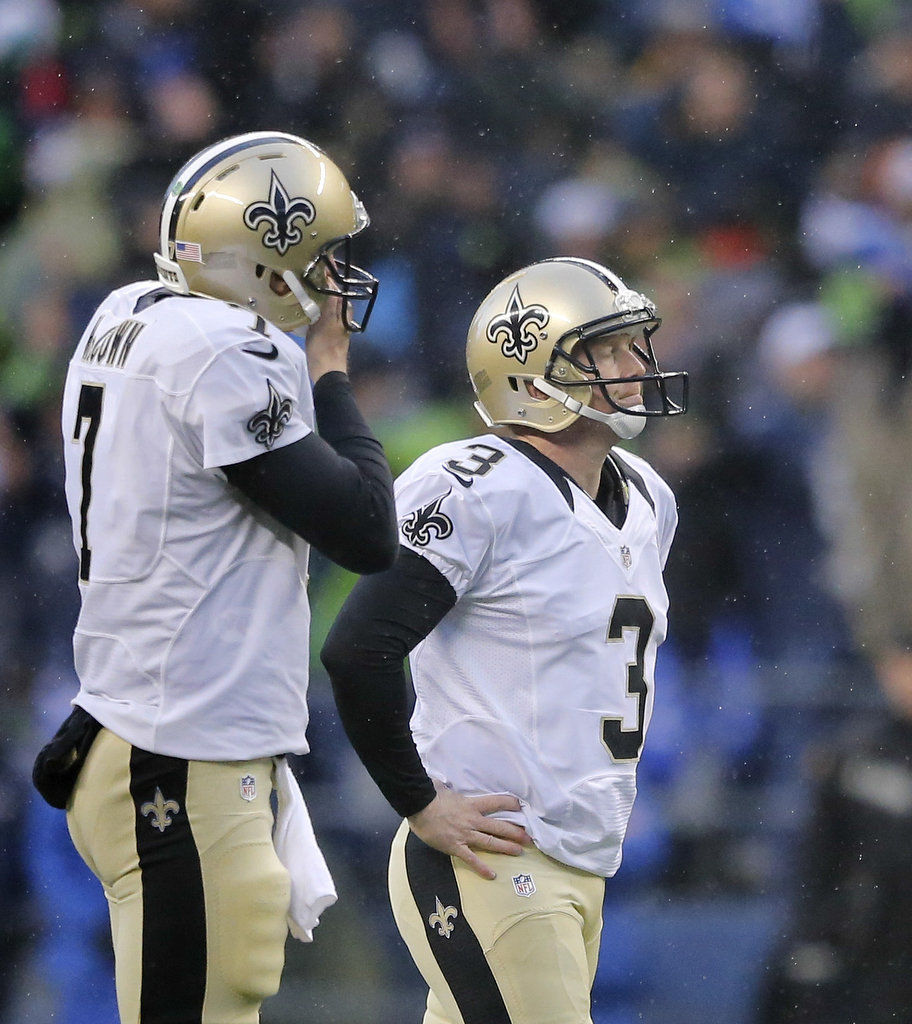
(335, 490)
(384, 617)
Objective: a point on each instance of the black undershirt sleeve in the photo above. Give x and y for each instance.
(334, 488)
(384, 617)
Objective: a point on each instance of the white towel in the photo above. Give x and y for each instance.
(312, 889)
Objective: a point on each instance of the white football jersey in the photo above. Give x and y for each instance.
(540, 681)
(192, 639)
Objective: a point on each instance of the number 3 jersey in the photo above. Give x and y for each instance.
(540, 681)
(192, 639)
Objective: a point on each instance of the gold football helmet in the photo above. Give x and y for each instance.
(536, 325)
(258, 205)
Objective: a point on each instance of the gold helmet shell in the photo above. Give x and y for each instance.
(263, 203)
(533, 327)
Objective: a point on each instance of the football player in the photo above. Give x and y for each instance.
(528, 594)
(206, 451)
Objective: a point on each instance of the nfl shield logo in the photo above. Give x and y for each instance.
(523, 885)
(625, 556)
(248, 787)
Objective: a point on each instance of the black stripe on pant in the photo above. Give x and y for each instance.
(459, 955)
(174, 912)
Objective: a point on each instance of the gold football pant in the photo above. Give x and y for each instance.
(197, 896)
(521, 949)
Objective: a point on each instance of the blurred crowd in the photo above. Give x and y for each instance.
(747, 164)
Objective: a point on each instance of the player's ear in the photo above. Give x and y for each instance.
(533, 391)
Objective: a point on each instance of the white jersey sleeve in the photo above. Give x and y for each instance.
(245, 402)
(667, 517)
(444, 521)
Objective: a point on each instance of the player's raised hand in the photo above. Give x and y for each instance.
(327, 340)
(459, 825)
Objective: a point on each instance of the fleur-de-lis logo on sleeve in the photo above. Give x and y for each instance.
(159, 810)
(418, 526)
(441, 919)
(281, 213)
(267, 425)
(517, 329)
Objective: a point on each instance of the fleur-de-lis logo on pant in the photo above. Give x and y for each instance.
(159, 810)
(441, 919)
(267, 425)
(518, 328)
(418, 525)
(280, 213)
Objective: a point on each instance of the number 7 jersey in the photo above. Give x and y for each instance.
(540, 681)
(192, 639)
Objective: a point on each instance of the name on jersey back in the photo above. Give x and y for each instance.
(112, 347)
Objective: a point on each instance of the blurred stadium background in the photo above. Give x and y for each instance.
(748, 164)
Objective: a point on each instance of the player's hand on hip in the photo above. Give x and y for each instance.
(459, 825)
(327, 340)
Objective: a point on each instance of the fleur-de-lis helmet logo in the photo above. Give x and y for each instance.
(517, 329)
(267, 425)
(281, 213)
(418, 526)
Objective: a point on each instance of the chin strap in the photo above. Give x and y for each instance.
(310, 309)
(626, 426)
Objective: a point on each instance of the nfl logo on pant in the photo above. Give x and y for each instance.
(248, 787)
(523, 885)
